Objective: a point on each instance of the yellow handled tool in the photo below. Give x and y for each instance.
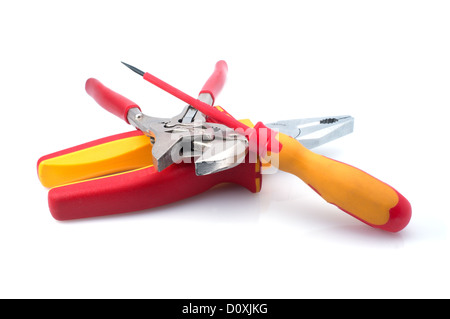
(352, 190)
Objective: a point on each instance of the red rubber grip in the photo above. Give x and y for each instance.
(142, 189)
(216, 81)
(109, 100)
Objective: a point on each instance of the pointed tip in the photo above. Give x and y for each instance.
(134, 69)
(126, 64)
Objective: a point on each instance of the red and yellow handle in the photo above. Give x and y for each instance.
(109, 155)
(141, 189)
(115, 175)
(352, 190)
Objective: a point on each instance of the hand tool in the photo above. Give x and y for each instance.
(352, 190)
(115, 174)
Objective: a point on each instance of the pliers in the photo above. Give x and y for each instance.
(117, 174)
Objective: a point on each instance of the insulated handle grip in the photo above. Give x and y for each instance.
(216, 81)
(105, 156)
(352, 190)
(142, 189)
(109, 100)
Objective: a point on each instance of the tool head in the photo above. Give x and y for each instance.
(213, 147)
(313, 132)
(227, 150)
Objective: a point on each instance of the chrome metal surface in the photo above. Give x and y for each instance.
(213, 147)
(313, 132)
(192, 114)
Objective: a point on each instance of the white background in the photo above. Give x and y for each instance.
(386, 63)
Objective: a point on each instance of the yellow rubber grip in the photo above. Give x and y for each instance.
(107, 158)
(352, 190)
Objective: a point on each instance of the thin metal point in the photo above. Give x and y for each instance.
(134, 69)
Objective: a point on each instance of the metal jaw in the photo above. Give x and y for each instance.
(214, 147)
(313, 132)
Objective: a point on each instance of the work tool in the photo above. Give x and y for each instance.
(115, 174)
(352, 190)
(220, 148)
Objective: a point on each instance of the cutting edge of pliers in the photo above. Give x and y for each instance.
(315, 131)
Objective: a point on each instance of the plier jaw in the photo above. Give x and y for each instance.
(213, 147)
(313, 132)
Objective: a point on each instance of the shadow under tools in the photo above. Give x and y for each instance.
(208, 206)
(227, 203)
(323, 221)
(360, 235)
